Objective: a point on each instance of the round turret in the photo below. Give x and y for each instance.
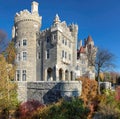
(26, 25)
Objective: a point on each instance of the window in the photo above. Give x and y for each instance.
(38, 42)
(18, 75)
(24, 42)
(83, 61)
(38, 55)
(24, 75)
(83, 70)
(19, 43)
(62, 53)
(48, 54)
(18, 57)
(69, 44)
(65, 42)
(66, 55)
(69, 56)
(48, 39)
(24, 56)
(77, 67)
(54, 36)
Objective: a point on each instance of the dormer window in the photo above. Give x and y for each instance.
(24, 42)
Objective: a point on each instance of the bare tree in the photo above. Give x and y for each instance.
(3, 40)
(102, 60)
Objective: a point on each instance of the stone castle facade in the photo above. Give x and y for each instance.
(51, 54)
(84, 52)
(48, 61)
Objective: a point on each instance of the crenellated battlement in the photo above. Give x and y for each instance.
(25, 15)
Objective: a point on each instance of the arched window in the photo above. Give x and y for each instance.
(66, 75)
(49, 74)
(71, 75)
(60, 74)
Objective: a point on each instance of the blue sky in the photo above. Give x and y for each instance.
(98, 18)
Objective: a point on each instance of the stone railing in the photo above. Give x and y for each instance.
(48, 91)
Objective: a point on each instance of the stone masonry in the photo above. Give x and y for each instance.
(46, 60)
(48, 91)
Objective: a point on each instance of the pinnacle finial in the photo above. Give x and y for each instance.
(57, 19)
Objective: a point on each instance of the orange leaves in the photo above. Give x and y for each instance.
(89, 89)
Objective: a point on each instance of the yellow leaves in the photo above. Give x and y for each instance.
(101, 75)
(7, 72)
(11, 53)
(11, 73)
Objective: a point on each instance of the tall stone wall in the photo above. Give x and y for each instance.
(48, 92)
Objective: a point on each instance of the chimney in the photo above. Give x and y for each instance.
(34, 7)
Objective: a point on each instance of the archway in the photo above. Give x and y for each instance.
(60, 74)
(71, 75)
(66, 75)
(49, 74)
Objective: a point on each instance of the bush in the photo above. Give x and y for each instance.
(26, 109)
(72, 109)
(107, 112)
(108, 107)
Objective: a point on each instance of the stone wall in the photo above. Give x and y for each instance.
(48, 92)
(22, 91)
(105, 85)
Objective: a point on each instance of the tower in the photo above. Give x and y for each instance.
(26, 25)
(74, 31)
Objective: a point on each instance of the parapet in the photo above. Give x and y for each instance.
(73, 27)
(25, 15)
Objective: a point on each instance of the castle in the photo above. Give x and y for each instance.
(49, 55)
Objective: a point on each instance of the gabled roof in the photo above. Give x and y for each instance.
(82, 49)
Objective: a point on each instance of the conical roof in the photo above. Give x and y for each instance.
(89, 39)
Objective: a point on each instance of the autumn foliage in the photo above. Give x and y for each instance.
(66, 109)
(118, 93)
(7, 87)
(26, 109)
(10, 53)
(89, 89)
